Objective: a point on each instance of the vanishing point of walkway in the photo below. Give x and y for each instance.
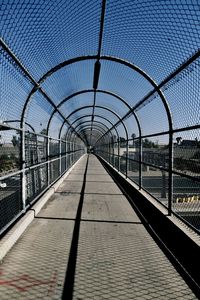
(88, 243)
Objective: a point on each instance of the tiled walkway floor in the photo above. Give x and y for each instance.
(89, 229)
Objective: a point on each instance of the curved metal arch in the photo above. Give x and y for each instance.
(98, 122)
(102, 107)
(95, 134)
(90, 125)
(133, 67)
(99, 116)
(49, 73)
(92, 91)
(82, 130)
(103, 57)
(149, 79)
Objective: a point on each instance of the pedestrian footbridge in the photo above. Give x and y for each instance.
(99, 149)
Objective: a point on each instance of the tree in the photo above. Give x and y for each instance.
(149, 144)
(133, 135)
(122, 141)
(179, 139)
(44, 131)
(15, 141)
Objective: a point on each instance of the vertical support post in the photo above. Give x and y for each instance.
(70, 158)
(65, 155)
(170, 189)
(60, 156)
(69, 149)
(73, 152)
(23, 165)
(126, 158)
(118, 145)
(48, 162)
(109, 152)
(140, 162)
(113, 154)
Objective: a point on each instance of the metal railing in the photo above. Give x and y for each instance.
(165, 162)
(21, 184)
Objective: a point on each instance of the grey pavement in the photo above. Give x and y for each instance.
(116, 256)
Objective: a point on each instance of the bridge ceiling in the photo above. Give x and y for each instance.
(148, 57)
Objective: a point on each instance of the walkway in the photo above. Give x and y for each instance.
(89, 241)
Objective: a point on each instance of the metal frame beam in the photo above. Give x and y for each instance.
(99, 116)
(92, 91)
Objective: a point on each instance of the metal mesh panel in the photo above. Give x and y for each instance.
(187, 152)
(111, 103)
(134, 149)
(10, 143)
(123, 164)
(123, 81)
(43, 34)
(82, 112)
(122, 133)
(63, 147)
(99, 119)
(133, 170)
(153, 117)
(55, 126)
(155, 181)
(54, 170)
(160, 37)
(115, 147)
(156, 35)
(36, 182)
(35, 149)
(14, 90)
(106, 114)
(182, 94)
(54, 148)
(69, 79)
(64, 131)
(77, 102)
(38, 112)
(10, 199)
(156, 151)
(63, 164)
(132, 127)
(186, 199)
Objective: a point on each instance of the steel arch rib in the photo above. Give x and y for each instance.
(95, 122)
(108, 58)
(102, 107)
(96, 115)
(92, 91)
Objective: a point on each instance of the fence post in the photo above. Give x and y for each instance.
(126, 158)
(66, 155)
(140, 162)
(60, 156)
(23, 165)
(48, 162)
(170, 188)
(118, 145)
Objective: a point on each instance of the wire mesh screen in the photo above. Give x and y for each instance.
(10, 143)
(36, 182)
(35, 149)
(10, 200)
(141, 106)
